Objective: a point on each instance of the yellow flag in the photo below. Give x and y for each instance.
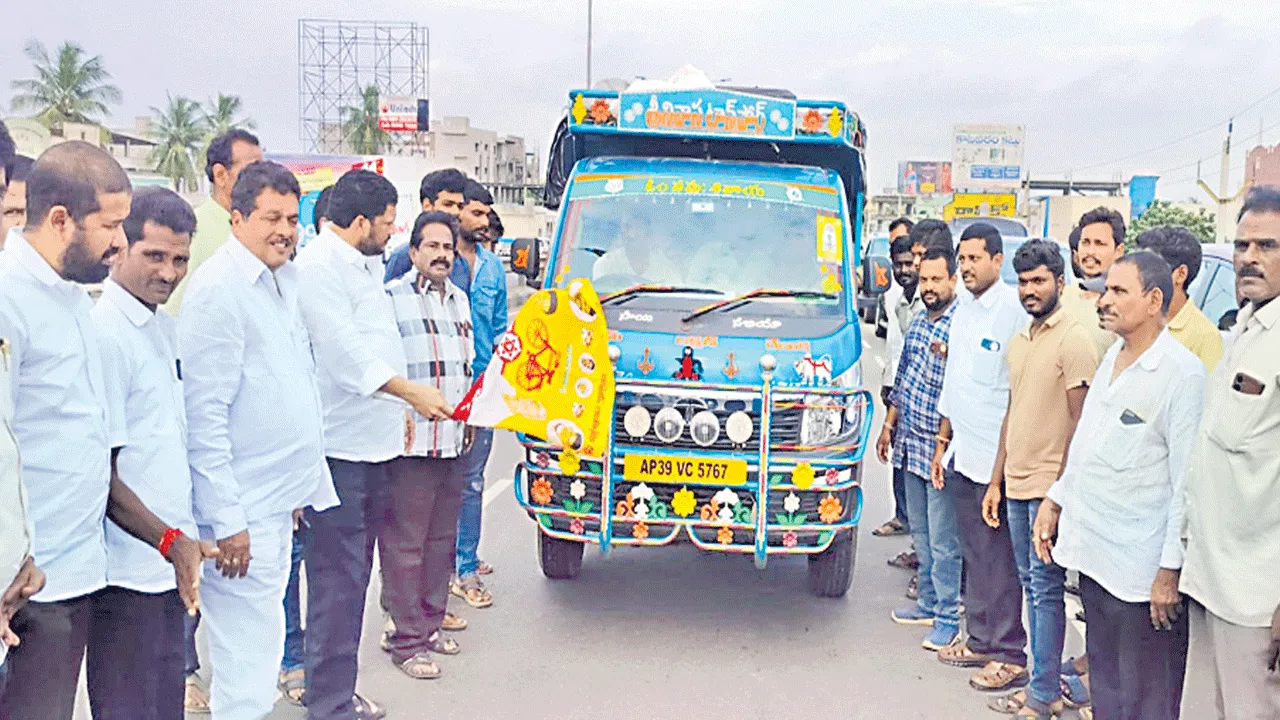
(550, 376)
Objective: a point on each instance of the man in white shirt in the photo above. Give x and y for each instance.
(418, 542)
(254, 434)
(1232, 528)
(363, 390)
(1117, 509)
(137, 637)
(78, 198)
(975, 397)
(902, 303)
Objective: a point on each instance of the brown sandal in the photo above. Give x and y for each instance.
(420, 667)
(472, 591)
(960, 655)
(996, 676)
(453, 623)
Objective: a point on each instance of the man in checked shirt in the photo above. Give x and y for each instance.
(418, 542)
(911, 428)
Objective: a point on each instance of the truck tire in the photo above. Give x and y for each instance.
(559, 559)
(831, 571)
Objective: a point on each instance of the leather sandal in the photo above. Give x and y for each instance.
(442, 644)
(960, 655)
(453, 623)
(997, 676)
(419, 667)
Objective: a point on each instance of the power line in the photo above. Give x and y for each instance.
(1182, 139)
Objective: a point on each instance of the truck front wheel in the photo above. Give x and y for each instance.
(831, 571)
(560, 559)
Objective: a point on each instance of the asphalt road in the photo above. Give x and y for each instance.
(665, 633)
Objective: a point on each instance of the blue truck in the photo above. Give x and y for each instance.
(719, 227)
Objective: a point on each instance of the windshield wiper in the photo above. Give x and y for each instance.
(648, 288)
(752, 295)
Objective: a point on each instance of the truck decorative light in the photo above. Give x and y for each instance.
(637, 421)
(668, 424)
(738, 427)
(704, 428)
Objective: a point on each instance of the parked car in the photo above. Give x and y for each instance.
(1214, 289)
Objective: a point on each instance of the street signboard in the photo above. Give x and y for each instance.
(924, 177)
(398, 114)
(987, 157)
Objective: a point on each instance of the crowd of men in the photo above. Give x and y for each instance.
(233, 408)
(1099, 426)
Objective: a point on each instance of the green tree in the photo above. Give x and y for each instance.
(360, 125)
(68, 87)
(178, 130)
(1162, 212)
(223, 113)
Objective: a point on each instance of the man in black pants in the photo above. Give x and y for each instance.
(364, 391)
(975, 397)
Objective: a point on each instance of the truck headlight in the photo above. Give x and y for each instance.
(827, 423)
(738, 427)
(668, 424)
(637, 421)
(704, 428)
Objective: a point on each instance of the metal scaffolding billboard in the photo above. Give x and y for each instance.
(338, 59)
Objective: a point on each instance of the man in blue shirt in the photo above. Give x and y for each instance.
(441, 191)
(480, 274)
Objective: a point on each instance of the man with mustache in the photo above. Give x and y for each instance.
(975, 396)
(420, 538)
(1232, 527)
(63, 420)
(137, 636)
(363, 391)
(441, 191)
(1101, 244)
(911, 427)
(254, 433)
(1051, 362)
(1116, 510)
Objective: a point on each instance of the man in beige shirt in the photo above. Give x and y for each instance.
(1232, 509)
(1187, 324)
(1051, 363)
(1101, 244)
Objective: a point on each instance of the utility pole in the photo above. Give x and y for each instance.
(1223, 198)
(589, 13)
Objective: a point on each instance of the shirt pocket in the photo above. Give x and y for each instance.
(1131, 445)
(988, 361)
(1237, 416)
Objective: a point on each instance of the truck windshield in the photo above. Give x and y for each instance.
(726, 245)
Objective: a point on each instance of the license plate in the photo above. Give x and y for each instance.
(670, 469)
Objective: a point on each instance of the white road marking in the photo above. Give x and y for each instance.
(492, 493)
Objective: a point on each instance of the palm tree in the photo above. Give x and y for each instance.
(360, 125)
(220, 115)
(179, 131)
(67, 88)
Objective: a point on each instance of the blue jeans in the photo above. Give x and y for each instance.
(294, 636)
(900, 496)
(1042, 585)
(473, 464)
(932, 516)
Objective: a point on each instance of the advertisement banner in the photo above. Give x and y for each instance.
(708, 113)
(314, 174)
(964, 205)
(550, 376)
(924, 177)
(398, 114)
(987, 157)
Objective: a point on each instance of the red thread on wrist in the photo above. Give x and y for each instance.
(167, 541)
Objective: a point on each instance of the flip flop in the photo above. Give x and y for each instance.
(890, 528)
(367, 709)
(453, 623)
(418, 667)
(443, 645)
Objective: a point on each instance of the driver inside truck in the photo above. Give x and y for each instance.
(639, 254)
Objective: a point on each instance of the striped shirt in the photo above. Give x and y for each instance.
(917, 388)
(438, 344)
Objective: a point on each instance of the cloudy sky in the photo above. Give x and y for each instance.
(1105, 88)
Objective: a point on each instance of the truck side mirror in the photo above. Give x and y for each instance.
(524, 257)
(875, 275)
